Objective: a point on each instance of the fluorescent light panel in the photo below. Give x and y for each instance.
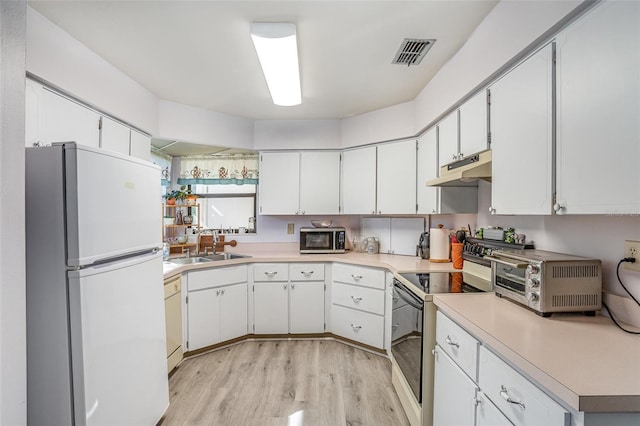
(278, 54)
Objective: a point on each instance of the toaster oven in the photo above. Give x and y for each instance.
(547, 282)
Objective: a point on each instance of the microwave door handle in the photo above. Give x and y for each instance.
(517, 265)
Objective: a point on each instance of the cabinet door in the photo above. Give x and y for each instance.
(271, 313)
(427, 196)
(204, 318)
(233, 311)
(521, 137)
(473, 125)
(359, 181)
(598, 80)
(488, 414)
(453, 393)
(114, 136)
(279, 183)
(397, 178)
(140, 146)
(320, 182)
(64, 120)
(448, 139)
(306, 307)
(33, 125)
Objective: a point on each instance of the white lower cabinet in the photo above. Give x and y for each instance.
(288, 298)
(358, 304)
(473, 386)
(454, 393)
(216, 306)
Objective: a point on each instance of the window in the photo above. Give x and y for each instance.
(226, 207)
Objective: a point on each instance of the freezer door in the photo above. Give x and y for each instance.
(112, 203)
(118, 343)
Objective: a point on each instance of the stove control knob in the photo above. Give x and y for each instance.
(533, 269)
(534, 282)
(533, 297)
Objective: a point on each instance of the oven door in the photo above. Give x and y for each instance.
(509, 277)
(406, 345)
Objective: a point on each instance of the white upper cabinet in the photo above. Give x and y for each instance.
(427, 196)
(300, 182)
(396, 178)
(319, 182)
(114, 136)
(598, 103)
(473, 125)
(522, 137)
(448, 139)
(58, 119)
(279, 182)
(359, 181)
(140, 146)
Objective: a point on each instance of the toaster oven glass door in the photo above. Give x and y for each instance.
(510, 277)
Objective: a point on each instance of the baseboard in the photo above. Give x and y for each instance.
(624, 309)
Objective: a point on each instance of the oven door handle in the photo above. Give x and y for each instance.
(405, 294)
(518, 265)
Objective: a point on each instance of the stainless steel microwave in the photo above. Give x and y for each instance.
(322, 240)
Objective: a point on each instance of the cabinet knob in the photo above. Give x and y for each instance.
(217, 292)
(492, 210)
(293, 286)
(373, 212)
(379, 211)
(396, 325)
(557, 207)
(284, 286)
(304, 212)
(222, 291)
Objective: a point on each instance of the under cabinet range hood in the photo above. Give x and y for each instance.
(465, 172)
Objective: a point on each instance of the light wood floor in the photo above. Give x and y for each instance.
(277, 382)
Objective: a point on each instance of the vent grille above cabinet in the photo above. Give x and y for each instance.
(412, 50)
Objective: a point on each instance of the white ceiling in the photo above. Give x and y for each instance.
(200, 53)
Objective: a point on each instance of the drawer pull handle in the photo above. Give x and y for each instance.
(356, 327)
(450, 342)
(271, 274)
(284, 286)
(222, 291)
(396, 325)
(306, 273)
(293, 286)
(505, 395)
(356, 277)
(356, 299)
(217, 292)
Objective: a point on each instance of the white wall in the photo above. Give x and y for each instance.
(296, 134)
(509, 28)
(394, 122)
(598, 236)
(186, 123)
(55, 56)
(13, 358)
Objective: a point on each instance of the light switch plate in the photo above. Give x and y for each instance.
(290, 228)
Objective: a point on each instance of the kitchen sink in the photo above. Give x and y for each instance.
(225, 256)
(207, 258)
(190, 260)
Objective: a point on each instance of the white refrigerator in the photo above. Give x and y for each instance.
(96, 350)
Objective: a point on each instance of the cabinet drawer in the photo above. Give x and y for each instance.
(271, 272)
(487, 414)
(529, 405)
(306, 271)
(460, 345)
(359, 275)
(172, 286)
(198, 280)
(360, 326)
(362, 298)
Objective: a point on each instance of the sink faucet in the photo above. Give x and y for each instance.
(186, 252)
(216, 240)
(212, 248)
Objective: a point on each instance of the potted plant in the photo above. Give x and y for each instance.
(175, 195)
(190, 196)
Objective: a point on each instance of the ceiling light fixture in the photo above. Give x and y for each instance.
(277, 51)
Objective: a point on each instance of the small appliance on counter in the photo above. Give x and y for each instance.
(322, 240)
(547, 282)
(422, 249)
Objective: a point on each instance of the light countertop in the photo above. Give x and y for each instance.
(289, 252)
(585, 361)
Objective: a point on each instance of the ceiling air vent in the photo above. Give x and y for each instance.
(412, 50)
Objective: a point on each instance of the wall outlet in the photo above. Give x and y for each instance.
(290, 229)
(632, 249)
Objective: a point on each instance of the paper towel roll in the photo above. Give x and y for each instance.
(439, 244)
